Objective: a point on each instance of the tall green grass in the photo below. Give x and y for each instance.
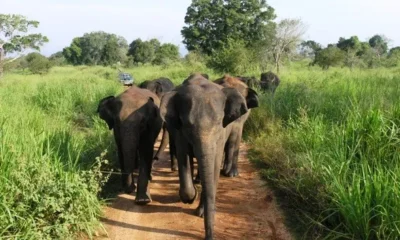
(51, 145)
(331, 144)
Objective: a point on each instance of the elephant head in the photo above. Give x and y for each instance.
(106, 110)
(198, 112)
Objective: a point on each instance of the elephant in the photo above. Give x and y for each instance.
(232, 145)
(269, 82)
(252, 82)
(159, 87)
(134, 116)
(199, 114)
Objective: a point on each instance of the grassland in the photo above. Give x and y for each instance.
(328, 142)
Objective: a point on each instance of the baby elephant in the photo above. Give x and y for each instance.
(135, 118)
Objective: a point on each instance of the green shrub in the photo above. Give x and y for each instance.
(233, 58)
(37, 63)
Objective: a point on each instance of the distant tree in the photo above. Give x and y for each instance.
(13, 37)
(310, 48)
(89, 48)
(380, 44)
(110, 53)
(156, 44)
(210, 24)
(57, 59)
(141, 52)
(37, 63)
(351, 47)
(394, 50)
(166, 53)
(330, 56)
(393, 57)
(288, 36)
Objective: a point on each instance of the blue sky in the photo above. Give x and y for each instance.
(327, 20)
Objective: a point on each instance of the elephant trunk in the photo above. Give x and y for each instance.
(208, 164)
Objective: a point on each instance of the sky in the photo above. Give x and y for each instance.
(327, 20)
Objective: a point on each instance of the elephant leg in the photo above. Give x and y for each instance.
(232, 155)
(164, 143)
(128, 142)
(172, 152)
(187, 191)
(146, 155)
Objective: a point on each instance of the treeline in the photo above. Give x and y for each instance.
(352, 53)
(235, 36)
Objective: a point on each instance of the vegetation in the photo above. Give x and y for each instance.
(328, 141)
(13, 37)
(152, 52)
(210, 25)
(329, 144)
(96, 48)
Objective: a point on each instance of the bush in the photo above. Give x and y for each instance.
(37, 63)
(234, 58)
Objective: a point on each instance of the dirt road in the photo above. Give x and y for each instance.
(245, 210)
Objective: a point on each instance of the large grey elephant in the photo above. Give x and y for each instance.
(134, 116)
(199, 114)
(160, 86)
(232, 145)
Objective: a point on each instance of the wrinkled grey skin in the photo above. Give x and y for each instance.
(235, 132)
(134, 116)
(198, 114)
(159, 87)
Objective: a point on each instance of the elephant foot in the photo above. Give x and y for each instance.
(233, 172)
(199, 211)
(130, 189)
(143, 199)
(186, 199)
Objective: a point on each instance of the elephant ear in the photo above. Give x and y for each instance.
(105, 110)
(158, 88)
(252, 98)
(235, 106)
(168, 110)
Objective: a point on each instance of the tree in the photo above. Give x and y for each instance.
(165, 53)
(89, 48)
(351, 47)
(110, 53)
(142, 52)
(37, 63)
(210, 24)
(13, 37)
(310, 48)
(57, 59)
(329, 56)
(288, 36)
(380, 44)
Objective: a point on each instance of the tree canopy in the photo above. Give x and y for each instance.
(14, 35)
(152, 51)
(96, 48)
(210, 24)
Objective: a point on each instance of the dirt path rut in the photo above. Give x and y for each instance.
(245, 210)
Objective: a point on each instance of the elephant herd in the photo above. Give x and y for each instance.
(197, 117)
